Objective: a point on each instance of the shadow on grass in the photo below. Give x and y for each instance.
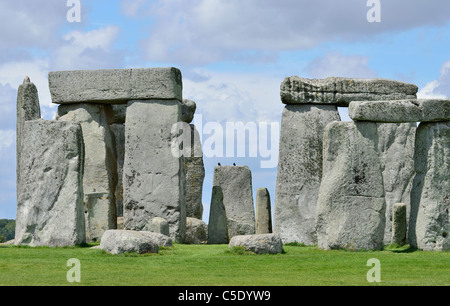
(395, 248)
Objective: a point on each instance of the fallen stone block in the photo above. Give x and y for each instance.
(351, 204)
(196, 231)
(342, 91)
(118, 242)
(115, 86)
(258, 244)
(50, 210)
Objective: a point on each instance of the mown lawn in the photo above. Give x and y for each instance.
(214, 265)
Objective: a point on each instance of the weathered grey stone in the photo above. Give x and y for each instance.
(399, 224)
(118, 242)
(236, 184)
(386, 111)
(351, 205)
(424, 110)
(159, 239)
(341, 91)
(153, 179)
(196, 231)
(259, 244)
(120, 223)
(429, 225)
(118, 134)
(263, 212)
(188, 108)
(160, 225)
(119, 113)
(100, 174)
(115, 86)
(300, 170)
(396, 150)
(50, 208)
(28, 108)
(217, 226)
(195, 175)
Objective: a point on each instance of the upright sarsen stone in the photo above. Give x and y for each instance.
(50, 208)
(28, 108)
(300, 170)
(236, 185)
(217, 225)
(153, 178)
(429, 225)
(351, 205)
(100, 174)
(396, 150)
(263, 212)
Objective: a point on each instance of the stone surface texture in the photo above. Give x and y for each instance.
(351, 204)
(115, 86)
(236, 184)
(399, 224)
(118, 134)
(263, 212)
(341, 91)
(50, 208)
(100, 165)
(160, 225)
(217, 226)
(118, 242)
(196, 231)
(300, 170)
(429, 225)
(153, 179)
(259, 244)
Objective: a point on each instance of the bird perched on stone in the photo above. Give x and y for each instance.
(234, 164)
(219, 164)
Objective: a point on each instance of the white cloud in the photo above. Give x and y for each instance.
(437, 89)
(204, 31)
(7, 139)
(337, 65)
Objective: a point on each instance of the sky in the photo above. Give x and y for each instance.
(233, 56)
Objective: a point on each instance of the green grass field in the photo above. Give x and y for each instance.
(215, 265)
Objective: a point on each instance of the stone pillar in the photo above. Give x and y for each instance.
(100, 174)
(263, 212)
(300, 170)
(28, 108)
(396, 149)
(399, 225)
(351, 205)
(429, 224)
(236, 184)
(50, 208)
(217, 226)
(153, 178)
(118, 133)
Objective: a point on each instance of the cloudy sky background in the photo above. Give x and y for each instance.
(233, 55)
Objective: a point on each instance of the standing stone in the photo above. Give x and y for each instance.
(300, 170)
(153, 178)
(399, 225)
(50, 192)
(396, 149)
(351, 205)
(236, 184)
(100, 174)
(160, 226)
(195, 175)
(188, 108)
(28, 108)
(217, 226)
(429, 225)
(196, 231)
(118, 133)
(263, 212)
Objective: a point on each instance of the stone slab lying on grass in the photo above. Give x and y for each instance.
(423, 110)
(115, 86)
(121, 241)
(341, 91)
(259, 244)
